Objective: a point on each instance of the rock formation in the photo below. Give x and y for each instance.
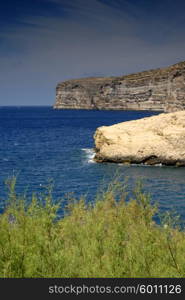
(153, 140)
(159, 89)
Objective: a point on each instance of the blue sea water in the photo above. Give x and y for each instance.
(40, 144)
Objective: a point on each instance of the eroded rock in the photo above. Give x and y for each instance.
(159, 90)
(153, 140)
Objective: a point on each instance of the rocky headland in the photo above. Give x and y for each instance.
(160, 90)
(153, 140)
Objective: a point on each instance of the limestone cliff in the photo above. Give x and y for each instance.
(154, 140)
(159, 89)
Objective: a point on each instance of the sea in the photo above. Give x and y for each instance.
(44, 147)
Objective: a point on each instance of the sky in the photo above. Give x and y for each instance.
(43, 42)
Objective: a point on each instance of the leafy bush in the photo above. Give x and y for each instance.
(110, 238)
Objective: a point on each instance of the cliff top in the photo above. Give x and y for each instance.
(159, 72)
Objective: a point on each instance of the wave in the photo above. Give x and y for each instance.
(5, 159)
(89, 154)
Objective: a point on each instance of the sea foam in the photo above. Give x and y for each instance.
(89, 152)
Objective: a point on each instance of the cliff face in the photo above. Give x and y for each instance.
(159, 89)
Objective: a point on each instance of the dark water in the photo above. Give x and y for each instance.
(39, 144)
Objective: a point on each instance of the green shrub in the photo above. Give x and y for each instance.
(110, 238)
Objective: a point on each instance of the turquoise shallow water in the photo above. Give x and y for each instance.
(39, 144)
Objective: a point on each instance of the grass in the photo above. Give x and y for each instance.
(110, 238)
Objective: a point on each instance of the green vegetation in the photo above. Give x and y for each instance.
(110, 238)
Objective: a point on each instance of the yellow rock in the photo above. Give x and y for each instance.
(151, 140)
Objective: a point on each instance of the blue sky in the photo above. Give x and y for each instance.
(43, 42)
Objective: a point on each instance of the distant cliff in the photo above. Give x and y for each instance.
(159, 89)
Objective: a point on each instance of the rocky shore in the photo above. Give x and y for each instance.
(153, 140)
(161, 89)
